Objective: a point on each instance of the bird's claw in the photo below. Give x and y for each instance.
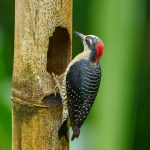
(57, 84)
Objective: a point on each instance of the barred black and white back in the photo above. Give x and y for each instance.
(82, 84)
(63, 91)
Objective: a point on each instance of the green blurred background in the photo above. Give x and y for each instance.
(120, 118)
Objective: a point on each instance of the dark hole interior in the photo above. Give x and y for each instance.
(59, 50)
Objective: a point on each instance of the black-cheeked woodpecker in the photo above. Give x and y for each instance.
(82, 80)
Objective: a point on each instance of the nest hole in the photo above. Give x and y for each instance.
(59, 50)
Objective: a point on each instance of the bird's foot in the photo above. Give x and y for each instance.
(57, 87)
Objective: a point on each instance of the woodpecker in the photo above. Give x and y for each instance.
(81, 81)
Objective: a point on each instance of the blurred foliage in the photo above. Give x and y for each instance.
(6, 60)
(120, 118)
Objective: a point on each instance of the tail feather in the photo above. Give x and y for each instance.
(76, 133)
(63, 131)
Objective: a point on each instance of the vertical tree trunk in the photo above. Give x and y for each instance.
(42, 46)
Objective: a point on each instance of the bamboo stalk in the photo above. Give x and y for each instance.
(43, 31)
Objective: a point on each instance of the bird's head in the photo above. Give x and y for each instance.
(93, 44)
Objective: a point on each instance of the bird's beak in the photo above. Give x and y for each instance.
(80, 35)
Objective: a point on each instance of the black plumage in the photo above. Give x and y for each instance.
(82, 84)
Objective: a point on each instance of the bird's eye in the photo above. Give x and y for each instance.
(86, 39)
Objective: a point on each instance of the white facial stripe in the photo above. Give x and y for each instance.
(90, 41)
(93, 36)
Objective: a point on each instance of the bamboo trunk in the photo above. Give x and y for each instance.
(42, 46)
